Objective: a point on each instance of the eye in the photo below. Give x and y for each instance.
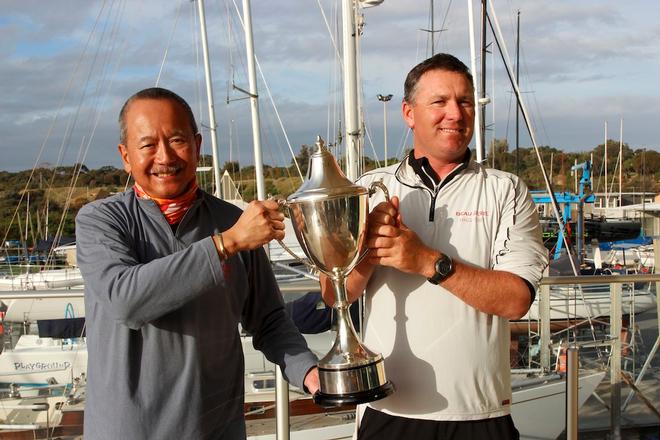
(177, 141)
(147, 145)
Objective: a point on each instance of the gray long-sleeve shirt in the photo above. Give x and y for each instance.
(165, 357)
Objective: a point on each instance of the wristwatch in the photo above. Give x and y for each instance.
(444, 266)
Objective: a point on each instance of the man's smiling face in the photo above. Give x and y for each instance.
(161, 149)
(441, 115)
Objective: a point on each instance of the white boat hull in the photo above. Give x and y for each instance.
(36, 360)
(45, 279)
(538, 410)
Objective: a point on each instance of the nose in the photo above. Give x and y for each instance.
(453, 111)
(164, 153)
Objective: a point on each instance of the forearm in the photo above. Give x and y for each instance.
(491, 291)
(265, 318)
(279, 340)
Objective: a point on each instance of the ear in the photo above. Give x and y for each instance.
(123, 152)
(408, 113)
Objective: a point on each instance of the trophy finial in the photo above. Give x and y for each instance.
(320, 144)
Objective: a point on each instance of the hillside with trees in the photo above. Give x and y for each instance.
(46, 200)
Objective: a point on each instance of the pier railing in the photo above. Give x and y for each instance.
(615, 363)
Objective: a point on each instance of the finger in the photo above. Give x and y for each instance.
(383, 230)
(385, 208)
(378, 218)
(381, 261)
(275, 215)
(378, 243)
(395, 202)
(270, 204)
(276, 225)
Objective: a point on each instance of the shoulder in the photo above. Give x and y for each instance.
(106, 216)
(115, 203)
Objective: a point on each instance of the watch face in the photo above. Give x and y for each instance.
(443, 266)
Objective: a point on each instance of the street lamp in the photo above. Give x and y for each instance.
(384, 99)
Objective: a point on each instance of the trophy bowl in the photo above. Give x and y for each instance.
(329, 217)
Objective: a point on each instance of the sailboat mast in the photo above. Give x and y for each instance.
(432, 30)
(27, 217)
(473, 67)
(518, 105)
(254, 102)
(209, 95)
(47, 209)
(621, 164)
(482, 76)
(350, 90)
(607, 199)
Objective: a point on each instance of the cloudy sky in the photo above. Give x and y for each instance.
(67, 66)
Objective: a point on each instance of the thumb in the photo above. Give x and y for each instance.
(395, 202)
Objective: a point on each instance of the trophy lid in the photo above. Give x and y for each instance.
(324, 178)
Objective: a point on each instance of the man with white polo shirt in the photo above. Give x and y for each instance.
(454, 255)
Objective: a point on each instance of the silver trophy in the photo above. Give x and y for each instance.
(329, 216)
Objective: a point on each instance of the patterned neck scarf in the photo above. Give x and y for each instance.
(172, 209)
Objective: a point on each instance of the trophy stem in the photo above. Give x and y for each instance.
(345, 326)
(339, 283)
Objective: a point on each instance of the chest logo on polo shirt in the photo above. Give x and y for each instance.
(469, 215)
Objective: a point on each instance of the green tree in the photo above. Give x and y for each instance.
(303, 160)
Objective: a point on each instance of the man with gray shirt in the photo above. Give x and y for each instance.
(170, 271)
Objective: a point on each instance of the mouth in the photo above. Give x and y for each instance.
(452, 130)
(165, 172)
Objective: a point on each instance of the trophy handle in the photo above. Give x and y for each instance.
(282, 206)
(378, 184)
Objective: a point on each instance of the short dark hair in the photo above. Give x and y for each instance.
(154, 93)
(439, 61)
